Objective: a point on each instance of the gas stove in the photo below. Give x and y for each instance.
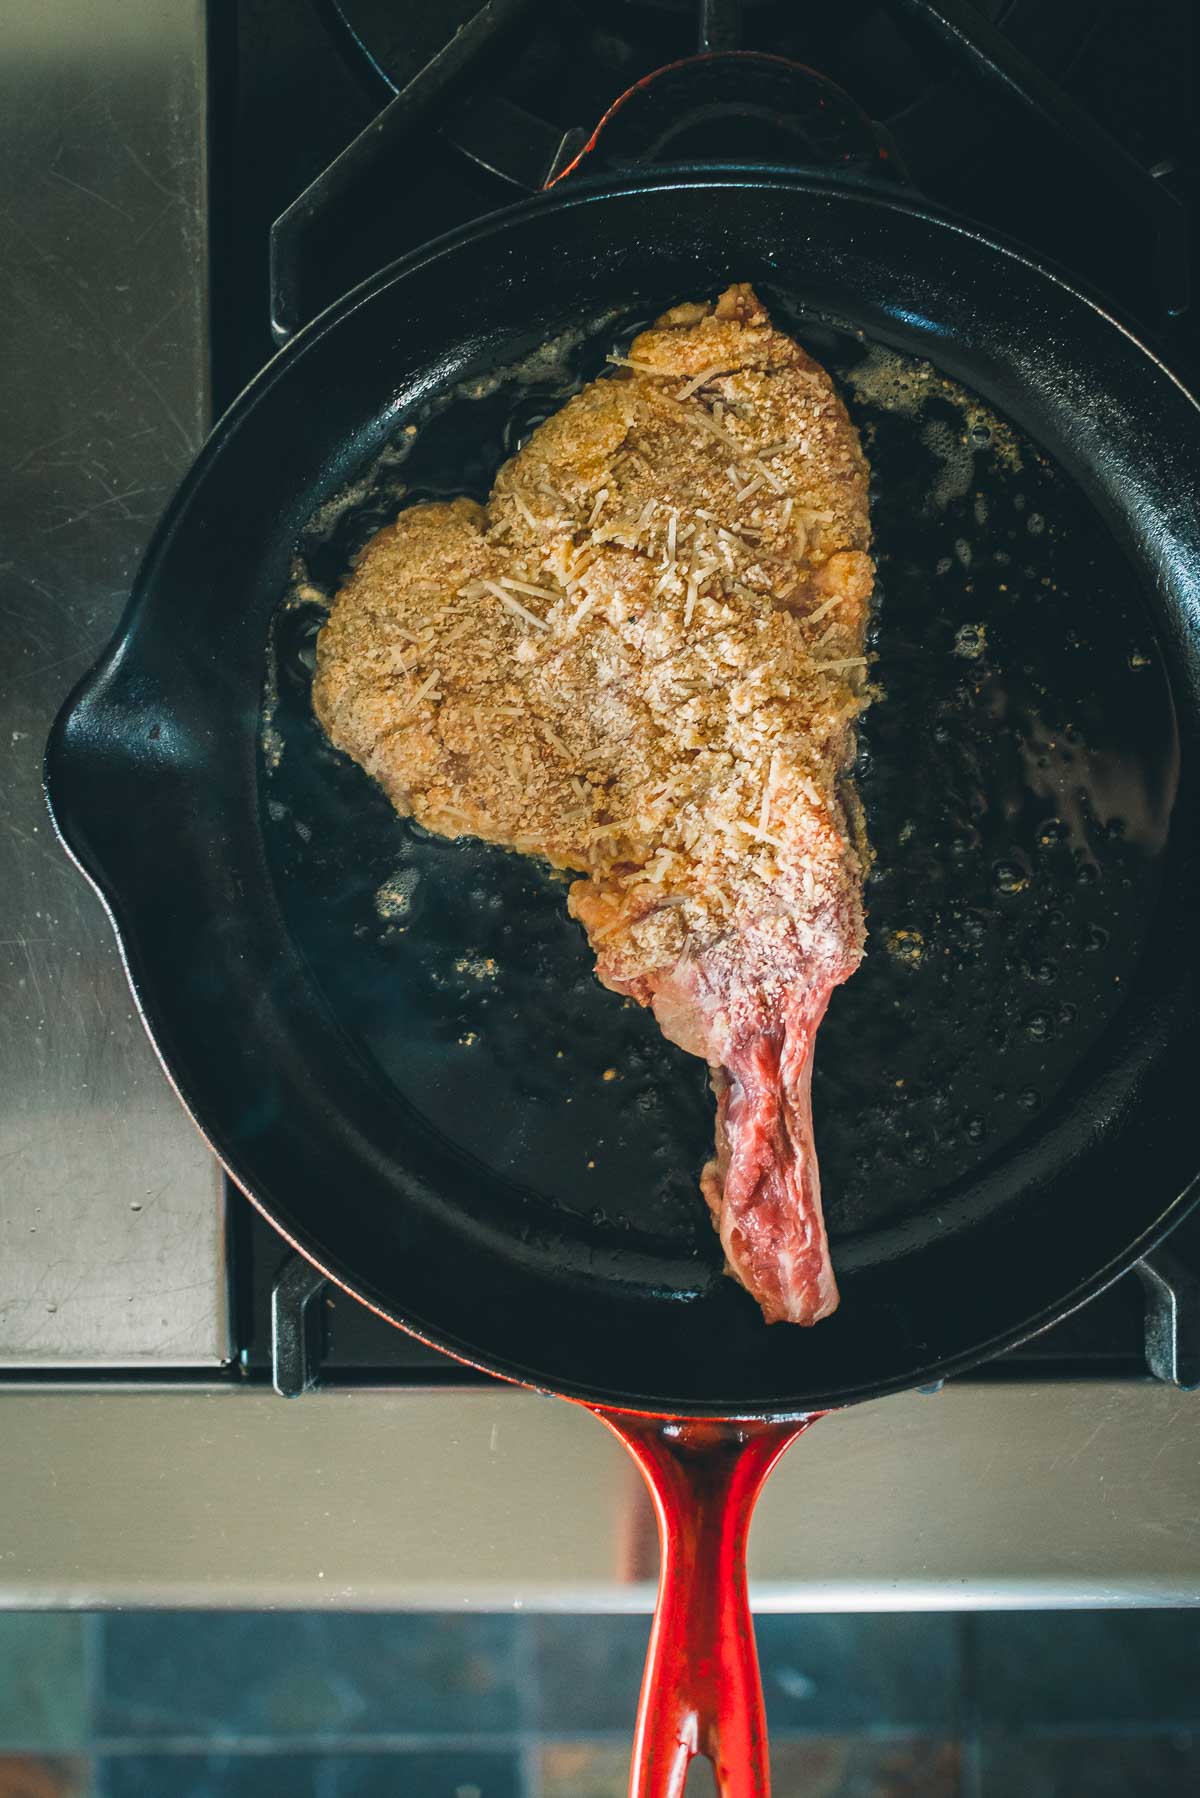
(318, 141)
(166, 216)
(417, 119)
(347, 134)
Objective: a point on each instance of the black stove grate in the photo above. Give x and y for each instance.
(300, 1331)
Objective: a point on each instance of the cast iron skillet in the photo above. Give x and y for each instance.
(1021, 782)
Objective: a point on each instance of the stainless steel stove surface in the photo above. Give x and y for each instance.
(182, 189)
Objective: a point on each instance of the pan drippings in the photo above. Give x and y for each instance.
(1017, 775)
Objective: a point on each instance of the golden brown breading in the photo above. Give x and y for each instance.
(635, 660)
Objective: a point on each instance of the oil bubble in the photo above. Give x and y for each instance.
(1038, 1026)
(906, 946)
(524, 420)
(1028, 1098)
(972, 926)
(1010, 876)
(394, 898)
(970, 641)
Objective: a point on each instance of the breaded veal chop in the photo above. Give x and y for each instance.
(643, 661)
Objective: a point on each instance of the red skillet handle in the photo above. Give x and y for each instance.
(701, 1692)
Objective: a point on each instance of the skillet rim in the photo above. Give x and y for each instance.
(582, 191)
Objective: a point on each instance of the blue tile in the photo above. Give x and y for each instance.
(434, 1775)
(588, 1672)
(590, 1769)
(819, 1673)
(1096, 1766)
(584, 1769)
(804, 1767)
(234, 1675)
(838, 1673)
(865, 1767)
(38, 1776)
(1064, 1669)
(42, 1704)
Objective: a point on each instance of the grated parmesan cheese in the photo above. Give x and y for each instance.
(506, 580)
(700, 419)
(645, 368)
(760, 836)
(835, 599)
(514, 605)
(579, 614)
(764, 815)
(768, 476)
(698, 381)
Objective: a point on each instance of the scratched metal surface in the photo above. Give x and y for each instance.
(110, 1226)
(1029, 1496)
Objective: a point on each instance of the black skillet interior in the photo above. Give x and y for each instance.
(397, 1043)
